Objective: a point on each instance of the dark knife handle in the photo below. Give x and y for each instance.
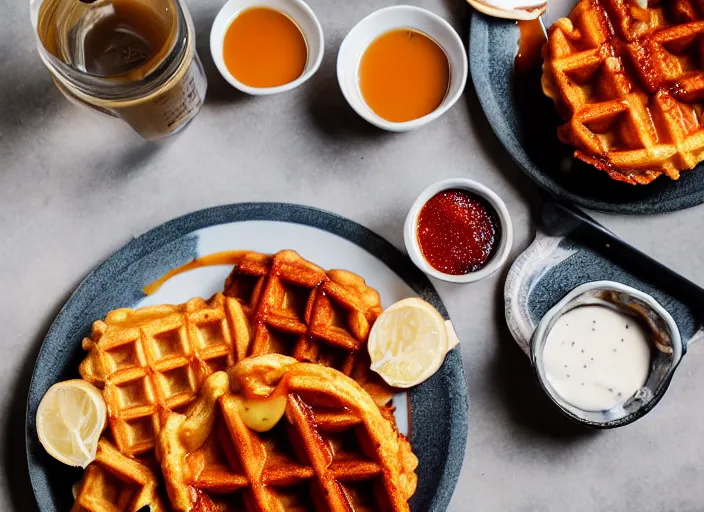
(559, 216)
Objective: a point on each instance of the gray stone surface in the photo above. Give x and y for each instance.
(75, 186)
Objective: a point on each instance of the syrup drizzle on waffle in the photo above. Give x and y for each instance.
(630, 83)
(334, 450)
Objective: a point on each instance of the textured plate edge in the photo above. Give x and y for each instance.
(543, 254)
(379, 247)
(528, 268)
(478, 57)
(459, 428)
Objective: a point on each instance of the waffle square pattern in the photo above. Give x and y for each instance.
(629, 82)
(156, 358)
(299, 309)
(153, 360)
(332, 450)
(116, 483)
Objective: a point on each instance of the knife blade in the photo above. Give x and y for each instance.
(560, 219)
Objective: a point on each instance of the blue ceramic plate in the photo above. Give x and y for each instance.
(526, 124)
(437, 410)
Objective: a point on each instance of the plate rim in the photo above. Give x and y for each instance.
(452, 371)
(478, 43)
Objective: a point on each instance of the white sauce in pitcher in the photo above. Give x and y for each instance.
(596, 358)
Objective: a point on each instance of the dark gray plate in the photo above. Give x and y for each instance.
(525, 122)
(439, 409)
(553, 266)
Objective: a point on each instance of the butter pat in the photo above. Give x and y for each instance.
(262, 414)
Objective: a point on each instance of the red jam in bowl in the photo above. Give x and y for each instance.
(458, 232)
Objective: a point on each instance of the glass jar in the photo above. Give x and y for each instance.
(131, 59)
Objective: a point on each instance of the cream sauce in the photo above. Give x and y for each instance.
(596, 358)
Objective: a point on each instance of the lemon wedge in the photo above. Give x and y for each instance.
(70, 419)
(409, 341)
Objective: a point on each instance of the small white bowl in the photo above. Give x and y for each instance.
(667, 349)
(393, 18)
(298, 11)
(410, 230)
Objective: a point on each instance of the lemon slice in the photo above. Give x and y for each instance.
(409, 341)
(70, 419)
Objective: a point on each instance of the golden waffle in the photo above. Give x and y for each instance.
(116, 483)
(333, 449)
(154, 359)
(298, 309)
(630, 84)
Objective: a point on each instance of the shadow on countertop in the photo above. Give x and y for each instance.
(528, 407)
(329, 109)
(29, 98)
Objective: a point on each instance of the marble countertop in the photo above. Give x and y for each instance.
(76, 186)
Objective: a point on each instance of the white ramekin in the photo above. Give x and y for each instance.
(506, 230)
(298, 11)
(393, 18)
